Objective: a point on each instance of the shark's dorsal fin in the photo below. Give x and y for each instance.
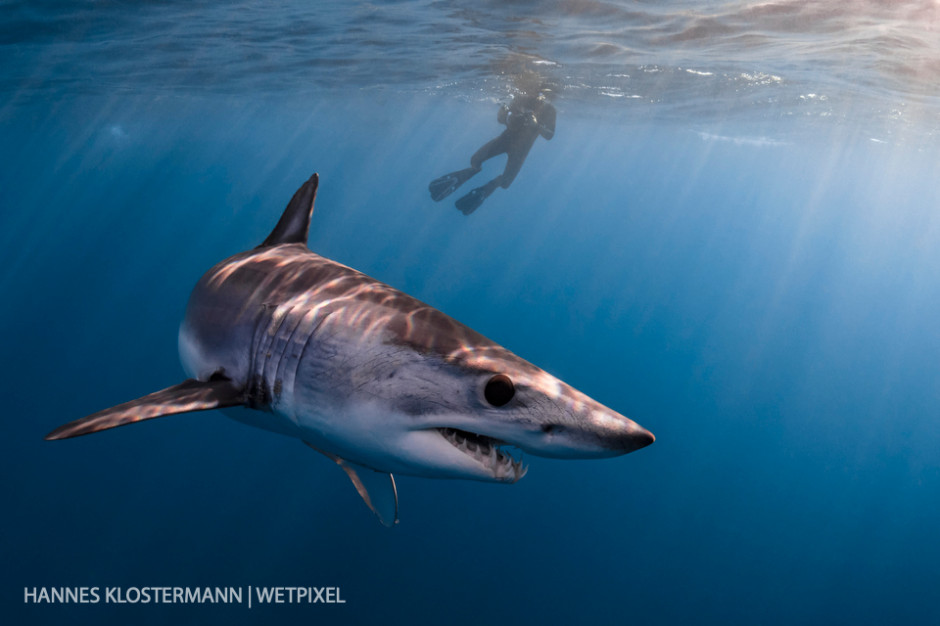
(295, 222)
(186, 397)
(377, 489)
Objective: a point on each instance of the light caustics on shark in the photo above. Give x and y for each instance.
(376, 380)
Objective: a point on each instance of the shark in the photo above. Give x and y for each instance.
(381, 383)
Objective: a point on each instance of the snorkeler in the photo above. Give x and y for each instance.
(526, 118)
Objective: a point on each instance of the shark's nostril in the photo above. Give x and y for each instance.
(549, 429)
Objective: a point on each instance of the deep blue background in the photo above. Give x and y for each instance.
(766, 308)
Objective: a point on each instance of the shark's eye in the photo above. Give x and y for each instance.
(499, 390)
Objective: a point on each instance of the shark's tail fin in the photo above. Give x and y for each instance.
(294, 224)
(188, 396)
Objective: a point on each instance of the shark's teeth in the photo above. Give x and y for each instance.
(487, 452)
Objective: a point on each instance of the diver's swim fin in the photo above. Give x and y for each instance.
(472, 201)
(442, 187)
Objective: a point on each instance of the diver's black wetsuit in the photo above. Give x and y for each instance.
(525, 118)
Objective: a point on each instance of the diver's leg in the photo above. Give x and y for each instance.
(472, 201)
(490, 149)
(516, 157)
(442, 187)
(517, 152)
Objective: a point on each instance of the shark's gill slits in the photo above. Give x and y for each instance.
(487, 452)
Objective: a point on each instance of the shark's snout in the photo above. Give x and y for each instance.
(583, 428)
(569, 443)
(637, 438)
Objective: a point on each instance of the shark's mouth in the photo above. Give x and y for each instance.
(487, 452)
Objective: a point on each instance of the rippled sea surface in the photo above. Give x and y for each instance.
(874, 60)
(733, 238)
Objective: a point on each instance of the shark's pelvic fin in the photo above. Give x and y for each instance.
(295, 222)
(377, 489)
(190, 395)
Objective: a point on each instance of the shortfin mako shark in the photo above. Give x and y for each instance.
(376, 380)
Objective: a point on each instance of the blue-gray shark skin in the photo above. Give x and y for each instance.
(376, 380)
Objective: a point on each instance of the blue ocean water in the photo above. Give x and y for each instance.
(732, 238)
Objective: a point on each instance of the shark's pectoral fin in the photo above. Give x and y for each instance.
(190, 395)
(377, 489)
